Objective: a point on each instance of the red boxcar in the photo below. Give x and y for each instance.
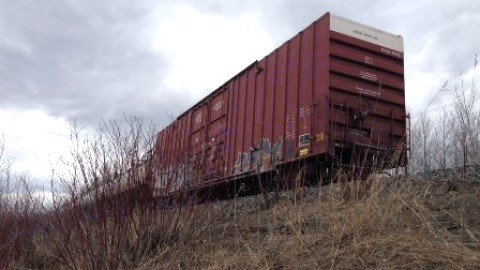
(333, 92)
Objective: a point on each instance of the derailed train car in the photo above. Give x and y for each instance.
(332, 94)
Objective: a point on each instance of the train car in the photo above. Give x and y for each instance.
(332, 94)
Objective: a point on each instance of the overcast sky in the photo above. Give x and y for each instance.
(86, 59)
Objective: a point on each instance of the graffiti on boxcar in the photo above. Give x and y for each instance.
(174, 178)
(260, 157)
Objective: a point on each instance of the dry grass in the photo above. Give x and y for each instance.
(411, 225)
(384, 224)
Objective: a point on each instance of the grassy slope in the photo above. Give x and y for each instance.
(386, 225)
(410, 225)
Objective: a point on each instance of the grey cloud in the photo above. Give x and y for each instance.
(80, 59)
(450, 24)
(89, 58)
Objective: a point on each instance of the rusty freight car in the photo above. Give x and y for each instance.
(332, 94)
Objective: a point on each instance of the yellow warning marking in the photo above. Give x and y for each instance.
(320, 137)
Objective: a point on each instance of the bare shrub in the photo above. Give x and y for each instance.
(103, 215)
(449, 138)
(18, 213)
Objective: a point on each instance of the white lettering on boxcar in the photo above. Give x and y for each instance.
(368, 76)
(218, 106)
(198, 118)
(369, 60)
(368, 92)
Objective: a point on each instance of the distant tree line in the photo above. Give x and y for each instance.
(448, 137)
